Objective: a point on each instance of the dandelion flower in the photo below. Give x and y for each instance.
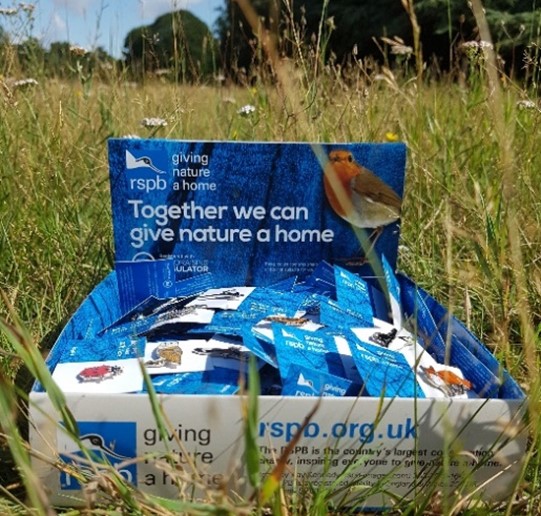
(153, 122)
(391, 137)
(246, 110)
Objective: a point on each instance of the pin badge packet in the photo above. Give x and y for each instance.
(393, 288)
(193, 355)
(140, 311)
(264, 350)
(102, 349)
(384, 372)
(322, 279)
(482, 380)
(449, 324)
(222, 298)
(419, 360)
(174, 321)
(262, 302)
(339, 317)
(218, 381)
(227, 353)
(100, 376)
(317, 351)
(285, 285)
(265, 328)
(353, 293)
(307, 382)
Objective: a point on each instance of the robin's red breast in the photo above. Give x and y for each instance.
(357, 195)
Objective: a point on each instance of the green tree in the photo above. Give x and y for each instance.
(177, 41)
(62, 60)
(238, 44)
(360, 24)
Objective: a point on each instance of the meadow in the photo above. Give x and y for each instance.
(469, 229)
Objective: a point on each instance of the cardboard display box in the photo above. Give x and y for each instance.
(189, 216)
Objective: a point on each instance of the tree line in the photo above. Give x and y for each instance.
(180, 46)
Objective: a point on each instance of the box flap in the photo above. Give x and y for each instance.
(250, 213)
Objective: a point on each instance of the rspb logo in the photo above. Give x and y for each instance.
(146, 175)
(109, 443)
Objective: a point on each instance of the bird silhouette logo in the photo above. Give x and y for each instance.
(98, 442)
(143, 162)
(304, 382)
(358, 195)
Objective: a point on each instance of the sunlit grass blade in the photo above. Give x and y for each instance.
(250, 417)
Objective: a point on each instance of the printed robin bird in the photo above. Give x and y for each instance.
(359, 196)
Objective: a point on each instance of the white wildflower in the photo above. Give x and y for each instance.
(8, 11)
(23, 83)
(153, 122)
(476, 46)
(78, 51)
(246, 110)
(28, 8)
(526, 104)
(401, 50)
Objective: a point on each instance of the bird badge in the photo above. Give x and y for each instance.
(358, 196)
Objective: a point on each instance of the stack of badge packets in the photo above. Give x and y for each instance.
(328, 335)
(232, 257)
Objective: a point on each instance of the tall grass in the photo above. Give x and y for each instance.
(470, 224)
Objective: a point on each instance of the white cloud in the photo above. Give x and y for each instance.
(58, 23)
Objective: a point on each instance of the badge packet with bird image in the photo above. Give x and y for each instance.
(455, 353)
(403, 342)
(176, 319)
(464, 339)
(262, 302)
(229, 298)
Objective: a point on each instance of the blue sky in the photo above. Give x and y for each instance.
(105, 23)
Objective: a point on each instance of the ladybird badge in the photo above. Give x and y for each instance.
(98, 373)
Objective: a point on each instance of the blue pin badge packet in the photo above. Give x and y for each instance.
(225, 251)
(308, 382)
(385, 373)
